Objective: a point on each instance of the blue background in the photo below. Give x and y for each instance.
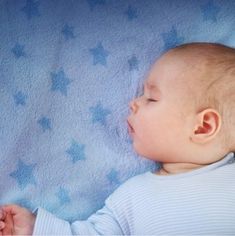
(68, 70)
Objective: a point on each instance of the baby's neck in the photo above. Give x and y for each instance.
(177, 168)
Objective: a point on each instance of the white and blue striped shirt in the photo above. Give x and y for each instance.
(199, 202)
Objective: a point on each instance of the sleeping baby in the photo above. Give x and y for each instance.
(185, 121)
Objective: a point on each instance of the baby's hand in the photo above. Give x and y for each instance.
(16, 220)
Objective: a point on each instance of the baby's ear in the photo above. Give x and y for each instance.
(208, 123)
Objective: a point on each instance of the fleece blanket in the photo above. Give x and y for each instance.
(68, 70)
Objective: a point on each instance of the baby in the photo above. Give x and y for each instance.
(185, 121)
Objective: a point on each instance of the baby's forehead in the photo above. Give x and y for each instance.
(170, 75)
(173, 65)
(194, 72)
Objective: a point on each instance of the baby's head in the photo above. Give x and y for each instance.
(187, 111)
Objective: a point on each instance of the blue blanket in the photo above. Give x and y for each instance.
(68, 71)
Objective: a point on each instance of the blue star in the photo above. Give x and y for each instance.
(63, 196)
(24, 174)
(49, 205)
(18, 50)
(113, 177)
(20, 98)
(68, 32)
(99, 114)
(24, 203)
(99, 54)
(131, 13)
(210, 11)
(93, 3)
(133, 63)
(76, 151)
(60, 82)
(171, 39)
(31, 9)
(45, 123)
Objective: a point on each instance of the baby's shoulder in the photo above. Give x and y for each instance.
(136, 181)
(133, 184)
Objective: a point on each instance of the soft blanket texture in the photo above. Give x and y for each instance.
(68, 71)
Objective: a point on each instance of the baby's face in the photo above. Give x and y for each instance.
(158, 124)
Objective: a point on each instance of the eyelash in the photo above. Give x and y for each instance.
(151, 100)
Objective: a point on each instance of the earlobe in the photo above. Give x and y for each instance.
(208, 123)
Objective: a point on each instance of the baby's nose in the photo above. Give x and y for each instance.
(133, 106)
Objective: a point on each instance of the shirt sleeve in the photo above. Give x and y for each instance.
(115, 218)
(102, 222)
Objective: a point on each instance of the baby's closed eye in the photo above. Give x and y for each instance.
(151, 100)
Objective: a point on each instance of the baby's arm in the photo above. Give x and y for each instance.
(103, 222)
(112, 219)
(16, 220)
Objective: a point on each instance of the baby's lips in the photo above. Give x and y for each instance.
(130, 128)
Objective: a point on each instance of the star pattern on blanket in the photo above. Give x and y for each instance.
(76, 151)
(60, 82)
(99, 54)
(93, 3)
(49, 205)
(171, 39)
(24, 202)
(113, 177)
(18, 50)
(20, 98)
(45, 123)
(99, 114)
(55, 54)
(63, 196)
(24, 174)
(131, 13)
(67, 31)
(31, 9)
(133, 63)
(210, 11)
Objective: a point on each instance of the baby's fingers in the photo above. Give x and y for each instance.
(2, 214)
(9, 225)
(2, 225)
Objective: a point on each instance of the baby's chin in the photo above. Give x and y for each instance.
(143, 153)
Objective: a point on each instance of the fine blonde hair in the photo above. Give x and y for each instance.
(216, 65)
